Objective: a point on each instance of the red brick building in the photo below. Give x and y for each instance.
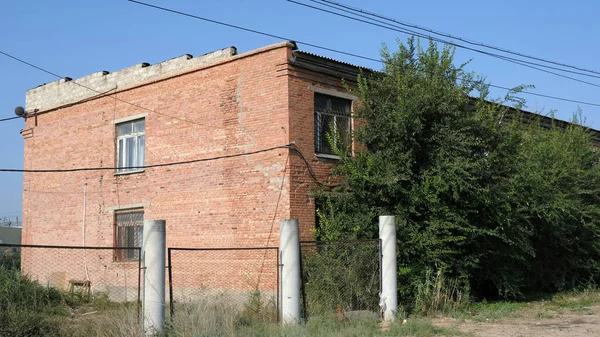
(184, 109)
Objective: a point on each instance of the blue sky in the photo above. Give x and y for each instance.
(76, 38)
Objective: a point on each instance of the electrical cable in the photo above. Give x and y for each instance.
(469, 41)
(10, 118)
(261, 33)
(94, 90)
(330, 49)
(410, 32)
(251, 30)
(498, 87)
(288, 146)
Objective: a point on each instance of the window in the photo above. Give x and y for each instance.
(332, 121)
(128, 233)
(131, 145)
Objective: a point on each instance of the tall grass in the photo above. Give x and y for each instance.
(438, 293)
(26, 307)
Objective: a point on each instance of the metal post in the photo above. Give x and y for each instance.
(171, 309)
(289, 246)
(153, 255)
(389, 289)
(139, 287)
(278, 287)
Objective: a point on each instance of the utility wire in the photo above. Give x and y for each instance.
(251, 30)
(8, 119)
(469, 41)
(546, 96)
(30, 64)
(503, 88)
(331, 49)
(410, 32)
(288, 146)
(92, 89)
(261, 33)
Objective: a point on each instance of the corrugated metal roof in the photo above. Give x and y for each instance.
(331, 59)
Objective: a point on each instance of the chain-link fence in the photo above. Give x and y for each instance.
(240, 282)
(340, 277)
(82, 274)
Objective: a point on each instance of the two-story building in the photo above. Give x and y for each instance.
(228, 115)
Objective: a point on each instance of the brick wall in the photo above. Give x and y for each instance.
(303, 84)
(234, 105)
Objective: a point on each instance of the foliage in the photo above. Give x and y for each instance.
(26, 307)
(258, 308)
(6, 222)
(340, 276)
(502, 203)
(439, 294)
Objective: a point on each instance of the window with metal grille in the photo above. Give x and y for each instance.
(332, 123)
(128, 233)
(131, 145)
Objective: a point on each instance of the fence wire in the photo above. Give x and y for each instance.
(80, 274)
(238, 282)
(340, 277)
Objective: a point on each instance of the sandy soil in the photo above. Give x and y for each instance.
(535, 321)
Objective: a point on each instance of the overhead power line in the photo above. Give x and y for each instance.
(92, 89)
(334, 50)
(79, 169)
(291, 146)
(503, 88)
(256, 32)
(9, 118)
(250, 30)
(469, 41)
(412, 32)
(421, 35)
(546, 96)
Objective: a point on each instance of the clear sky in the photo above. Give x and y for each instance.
(75, 38)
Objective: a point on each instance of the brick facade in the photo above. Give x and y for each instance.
(224, 105)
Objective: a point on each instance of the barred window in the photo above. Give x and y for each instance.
(131, 145)
(332, 121)
(128, 233)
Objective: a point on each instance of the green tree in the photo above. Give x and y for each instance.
(463, 175)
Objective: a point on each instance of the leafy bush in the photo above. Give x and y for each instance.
(502, 201)
(340, 276)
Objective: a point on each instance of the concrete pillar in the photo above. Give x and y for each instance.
(289, 250)
(153, 258)
(389, 278)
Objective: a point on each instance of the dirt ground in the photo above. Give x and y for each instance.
(534, 321)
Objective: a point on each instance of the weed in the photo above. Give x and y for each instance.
(441, 294)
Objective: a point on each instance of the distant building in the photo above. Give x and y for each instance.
(10, 235)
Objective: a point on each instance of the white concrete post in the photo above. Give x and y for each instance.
(389, 279)
(153, 259)
(289, 250)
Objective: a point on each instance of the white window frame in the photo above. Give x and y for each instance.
(122, 155)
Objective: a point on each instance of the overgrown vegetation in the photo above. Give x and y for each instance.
(26, 307)
(491, 201)
(340, 276)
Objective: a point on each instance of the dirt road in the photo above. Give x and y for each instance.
(534, 321)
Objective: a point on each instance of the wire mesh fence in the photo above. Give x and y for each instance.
(239, 282)
(340, 277)
(80, 274)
